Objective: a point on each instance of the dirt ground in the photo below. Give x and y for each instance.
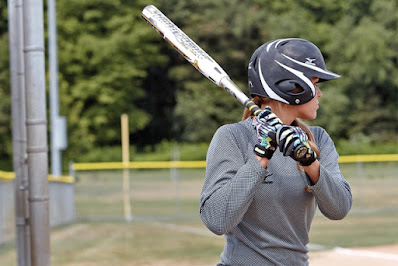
(364, 256)
(367, 256)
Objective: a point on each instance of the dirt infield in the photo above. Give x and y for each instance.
(364, 256)
(385, 255)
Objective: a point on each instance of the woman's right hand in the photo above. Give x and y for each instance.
(266, 125)
(262, 160)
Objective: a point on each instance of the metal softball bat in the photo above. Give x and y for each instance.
(195, 55)
(203, 62)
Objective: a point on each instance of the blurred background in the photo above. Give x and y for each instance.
(111, 62)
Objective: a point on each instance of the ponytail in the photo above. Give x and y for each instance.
(306, 129)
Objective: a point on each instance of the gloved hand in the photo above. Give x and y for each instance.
(266, 124)
(293, 142)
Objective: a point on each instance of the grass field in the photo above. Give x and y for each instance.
(166, 228)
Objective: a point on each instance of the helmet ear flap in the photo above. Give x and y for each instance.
(288, 85)
(294, 90)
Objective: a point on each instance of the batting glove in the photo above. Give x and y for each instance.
(293, 142)
(266, 125)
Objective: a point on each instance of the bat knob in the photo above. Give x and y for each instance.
(300, 152)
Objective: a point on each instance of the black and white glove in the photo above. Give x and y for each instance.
(266, 125)
(293, 142)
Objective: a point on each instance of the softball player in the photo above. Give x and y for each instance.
(266, 175)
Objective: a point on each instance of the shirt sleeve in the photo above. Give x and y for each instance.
(332, 192)
(230, 182)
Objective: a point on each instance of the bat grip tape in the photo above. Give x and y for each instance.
(254, 109)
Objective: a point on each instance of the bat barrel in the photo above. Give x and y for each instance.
(195, 55)
(235, 91)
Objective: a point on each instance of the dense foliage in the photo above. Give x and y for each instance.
(111, 62)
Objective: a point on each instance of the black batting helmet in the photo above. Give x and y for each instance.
(278, 67)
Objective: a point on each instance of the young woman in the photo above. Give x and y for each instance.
(262, 188)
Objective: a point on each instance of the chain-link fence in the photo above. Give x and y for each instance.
(170, 191)
(170, 194)
(61, 204)
(7, 214)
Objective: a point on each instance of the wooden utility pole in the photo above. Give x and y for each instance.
(126, 173)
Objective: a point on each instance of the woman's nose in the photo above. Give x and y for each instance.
(318, 92)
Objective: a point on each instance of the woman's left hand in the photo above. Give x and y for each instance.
(289, 139)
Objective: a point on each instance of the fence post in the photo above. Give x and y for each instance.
(175, 156)
(72, 171)
(126, 172)
(360, 183)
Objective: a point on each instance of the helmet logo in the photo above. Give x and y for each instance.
(297, 101)
(310, 61)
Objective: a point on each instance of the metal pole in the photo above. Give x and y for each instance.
(358, 198)
(56, 165)
(15, 30)
(36, 125)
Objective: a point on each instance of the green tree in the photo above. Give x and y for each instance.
(104, 50)
(5, 99)
(111, 62)
(364, 49)
(5, 106)
(226, 30)
(345, 31)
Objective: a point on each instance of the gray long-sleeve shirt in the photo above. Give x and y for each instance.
(266, 214)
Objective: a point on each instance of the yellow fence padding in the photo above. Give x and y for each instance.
(182, 164)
